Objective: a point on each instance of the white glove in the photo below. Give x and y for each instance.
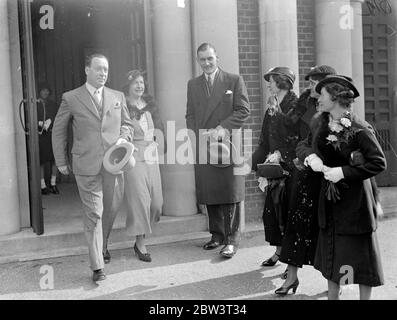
(315, 162)
(47, 124)
(120, 140)
(333, 174)
(262, 183)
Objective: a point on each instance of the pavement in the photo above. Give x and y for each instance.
(184, 271)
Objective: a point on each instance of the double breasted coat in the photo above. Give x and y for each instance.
(227, 106)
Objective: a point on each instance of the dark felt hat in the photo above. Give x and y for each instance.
(342, 80)
(320, 70)
(281, 71)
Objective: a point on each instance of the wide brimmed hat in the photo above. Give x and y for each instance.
(342, 80)
(320, 70)
(119, 158)
(281, 71)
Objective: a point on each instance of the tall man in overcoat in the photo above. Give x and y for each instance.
(217, 103)
(99, 119)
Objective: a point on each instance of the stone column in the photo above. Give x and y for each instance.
(216, 22)
(279, 36)
(9, 199)
(172, 70)
(339, 41)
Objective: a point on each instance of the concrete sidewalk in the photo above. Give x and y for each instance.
(183, 270)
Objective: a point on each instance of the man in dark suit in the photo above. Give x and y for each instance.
(100, 119)
(217, 106)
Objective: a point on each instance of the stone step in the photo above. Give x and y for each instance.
(56, 241)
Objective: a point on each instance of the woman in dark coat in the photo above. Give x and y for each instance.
(301, 232)
(282, 128)
(347, 249)
(46, 112)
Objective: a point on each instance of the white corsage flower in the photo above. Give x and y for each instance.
(332, 138)
(346, 122)
(335, 126)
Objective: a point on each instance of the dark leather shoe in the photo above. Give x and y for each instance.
(228, 251)
(98, 275)
(106, 256)
(54, 189)
(45, 190)
(211, 245)
(270, 262)
(142, 256)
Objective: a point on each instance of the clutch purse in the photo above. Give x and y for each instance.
(271, 170)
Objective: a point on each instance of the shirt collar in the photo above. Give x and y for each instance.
(91, 89)
(212, 75)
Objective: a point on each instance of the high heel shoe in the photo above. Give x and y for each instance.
(142, 256)
(284, 290)
(270, 262)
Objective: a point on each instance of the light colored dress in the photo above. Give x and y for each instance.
(143, 189)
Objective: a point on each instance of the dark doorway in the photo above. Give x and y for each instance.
(64, 32)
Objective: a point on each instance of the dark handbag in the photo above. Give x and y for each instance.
(271, 171)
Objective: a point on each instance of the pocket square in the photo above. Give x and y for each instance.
(228, 92)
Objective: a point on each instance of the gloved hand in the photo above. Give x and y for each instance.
(315, 162)
(262, 183)
(47, 124)
(333, 174)
(120, 140)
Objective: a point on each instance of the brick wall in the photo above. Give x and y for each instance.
(306, 39)
(250, 70)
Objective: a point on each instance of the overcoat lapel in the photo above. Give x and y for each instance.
(84, 97)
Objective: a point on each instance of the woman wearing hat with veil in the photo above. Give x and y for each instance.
(347, 249)
(282, 128)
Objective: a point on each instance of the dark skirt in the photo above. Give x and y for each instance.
(340, 256)
(301, 232)
(274, 216)
(45, 148)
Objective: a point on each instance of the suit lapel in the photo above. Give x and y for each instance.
(84, 97)
(108, 98)
(217, 94)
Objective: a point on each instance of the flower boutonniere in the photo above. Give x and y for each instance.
(340, 131)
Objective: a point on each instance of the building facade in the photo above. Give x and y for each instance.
(47, 40)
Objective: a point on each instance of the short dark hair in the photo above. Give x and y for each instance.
(282, 82)
(341, 94)
(89, 58)
(204, 46)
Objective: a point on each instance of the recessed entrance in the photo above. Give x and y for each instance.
(63, 33)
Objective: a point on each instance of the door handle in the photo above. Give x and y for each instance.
(21, 104)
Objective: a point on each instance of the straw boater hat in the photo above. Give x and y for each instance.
(119, 158)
